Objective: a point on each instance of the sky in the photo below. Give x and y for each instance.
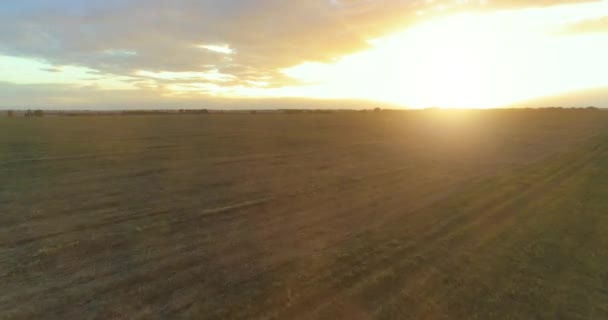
(92, 54)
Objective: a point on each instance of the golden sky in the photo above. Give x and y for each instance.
(422, 53)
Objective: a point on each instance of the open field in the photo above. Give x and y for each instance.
(386, 215)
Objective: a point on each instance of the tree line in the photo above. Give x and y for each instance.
(27, 114)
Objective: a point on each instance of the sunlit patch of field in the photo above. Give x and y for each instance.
(379, 215)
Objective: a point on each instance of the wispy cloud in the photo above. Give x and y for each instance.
(594, 25)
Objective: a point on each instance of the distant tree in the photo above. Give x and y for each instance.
(10, 113)
(253, 112)
(293, 111)
(29, 113)
(592, 108)
(38, 113)
(377, 109)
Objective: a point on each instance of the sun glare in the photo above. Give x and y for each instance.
(453, 62)
(448, 63)
(469, 60)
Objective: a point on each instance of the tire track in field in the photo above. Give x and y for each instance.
(464, 232)
(254, 277)
(129, 174)
(162, 211)
(444, 233)
(567, 175)
(362, 255)
(125, 215)
(222, 252)
(340, 214)
(484, 237)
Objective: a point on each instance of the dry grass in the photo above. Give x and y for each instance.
(390, 215)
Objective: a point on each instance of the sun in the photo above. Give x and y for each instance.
(463, 61)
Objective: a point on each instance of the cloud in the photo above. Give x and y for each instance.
(55, 70)
(59, 96)
(597, 97)
(587, 26)
(249, 41)
(68, 97)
